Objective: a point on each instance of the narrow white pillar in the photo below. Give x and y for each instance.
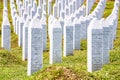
(94, 46)
(56, 43)
(68, 38)
(35, 46)
(6, 33)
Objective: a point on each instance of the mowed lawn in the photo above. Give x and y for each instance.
(72, 67)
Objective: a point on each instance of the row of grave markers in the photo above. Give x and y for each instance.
(101, 34)
(67, 18)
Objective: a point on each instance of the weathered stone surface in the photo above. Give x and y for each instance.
(20, 34)
(106, 31)
(89, 4)
(25, 39)
(76, 34)
(5, 3)
(61, 20)
(68, 38)
(6, 33)
(35, 49)
(55, 10)
(44, 26)
(49, 7)
(83, 29)
(95, 47)
(51, 19)
(56, 43)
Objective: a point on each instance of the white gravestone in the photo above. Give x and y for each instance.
(14, 22)
(56, 43)
(72, 17)
(29, 9)
(50, 20)
(94, 46)
(83, 29)
(31, 2)
(66, 11)
(89, 4)
(44, 26)
(78, 3)
(106, 31)
(5, 3)
(111, 43)
(25, 39)
(22, 11)
(26, 5)
(17, 25)
(76, 34)
(55, 10)
(66, 3)
(63, 4)
(77, 14)
(58, 8)
(62, 14)
(44, 13)
(49, 7)
(34, 9)
(61, 20)
(73, 6)
(39, 11)
(20, 35)
(19, 5)
(40, 3)
(84, 10)
(68, 38)
(35, 49)
(20, 8)
(25, 15)
(70, 8)
(6, 33)
(44, 6)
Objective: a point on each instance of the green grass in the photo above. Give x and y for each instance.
(72, 67)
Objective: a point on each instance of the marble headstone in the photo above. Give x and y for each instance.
(94, 46)
(68, 38)
(6, 33)
(56, 43)
(35, 49)
(25, 39)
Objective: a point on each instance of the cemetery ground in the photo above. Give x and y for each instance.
(72, 67)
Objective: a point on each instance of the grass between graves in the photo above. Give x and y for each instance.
(72, 67)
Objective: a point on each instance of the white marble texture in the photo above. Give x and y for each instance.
(44, 26)
(76, 34)
(94, 46)
(49, 7)
(55, 10)
(35, 49)
(6, 33)
(106, 35)
(68, 38)
(55, 42)
(25, 39)
(20, 32)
